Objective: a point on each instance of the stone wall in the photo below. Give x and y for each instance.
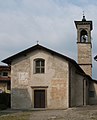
(85, 57)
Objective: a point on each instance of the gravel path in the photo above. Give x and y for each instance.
(84, 113)
(79, 113)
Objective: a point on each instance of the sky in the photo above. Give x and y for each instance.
(51, 22)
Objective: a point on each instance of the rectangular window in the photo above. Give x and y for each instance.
(39, 66)
(91, 94)
(3, 73)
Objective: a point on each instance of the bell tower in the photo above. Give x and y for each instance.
(84, 44)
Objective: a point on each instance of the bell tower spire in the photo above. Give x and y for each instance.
(84, 44)
(83, 19)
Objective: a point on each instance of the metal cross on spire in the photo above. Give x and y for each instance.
(83, 19)
(83, 13)
(37, 42)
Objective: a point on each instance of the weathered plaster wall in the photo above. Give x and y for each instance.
(55, 77)
(20, 75)
(80, 91)
(93, 88)
(76, 88)
(54, 80)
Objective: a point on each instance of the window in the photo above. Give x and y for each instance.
(4, 74)
(39, 66)
(91, 93)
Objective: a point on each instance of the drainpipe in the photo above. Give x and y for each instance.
(84, 91)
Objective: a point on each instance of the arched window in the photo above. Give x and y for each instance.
(39, 65)
(83, 36)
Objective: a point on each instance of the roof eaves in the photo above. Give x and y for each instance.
(22, 53)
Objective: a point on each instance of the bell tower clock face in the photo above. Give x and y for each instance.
(84, 44)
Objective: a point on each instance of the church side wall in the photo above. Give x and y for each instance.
(93, 93)
(54, 81)
(77, 89)
(80, 91)
(72, 99)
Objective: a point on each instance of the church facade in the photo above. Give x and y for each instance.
(43, 78)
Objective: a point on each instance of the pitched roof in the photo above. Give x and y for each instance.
(39, 47)
(5, 68)
(84, 22)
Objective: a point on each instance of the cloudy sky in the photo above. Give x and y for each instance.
(51, 22)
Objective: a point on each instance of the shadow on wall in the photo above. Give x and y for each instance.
(92, 93)
(5, 101)
(20, 99)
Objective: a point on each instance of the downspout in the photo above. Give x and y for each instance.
(84, 92)
(69, 85)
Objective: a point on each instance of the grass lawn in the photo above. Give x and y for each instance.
(16, 116)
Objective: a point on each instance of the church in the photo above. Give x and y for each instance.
(43, 78)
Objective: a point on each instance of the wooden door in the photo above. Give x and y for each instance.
(39, 98)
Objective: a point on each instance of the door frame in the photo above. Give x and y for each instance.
(39, 88)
